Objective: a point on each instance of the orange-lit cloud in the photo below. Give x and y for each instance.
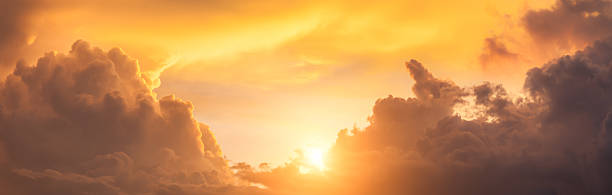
(496, 54)
(88, 122)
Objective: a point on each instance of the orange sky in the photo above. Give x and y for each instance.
(283, 76)
(234, 97)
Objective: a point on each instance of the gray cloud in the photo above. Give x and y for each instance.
(570, 23)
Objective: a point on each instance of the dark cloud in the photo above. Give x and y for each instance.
(87, 122)
(543, 34)
(570, 23)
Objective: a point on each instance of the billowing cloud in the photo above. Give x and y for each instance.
(556, 140)
(87, 122)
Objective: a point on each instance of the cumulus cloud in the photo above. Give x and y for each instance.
(555, 140)
(87, 122)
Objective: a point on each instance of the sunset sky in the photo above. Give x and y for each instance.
(278, 75)
(290, 97)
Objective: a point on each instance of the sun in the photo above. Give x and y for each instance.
(316, 158)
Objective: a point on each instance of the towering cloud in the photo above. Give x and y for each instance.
(87, 122)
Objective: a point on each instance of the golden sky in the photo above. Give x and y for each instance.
(280, 97)
(294, 73)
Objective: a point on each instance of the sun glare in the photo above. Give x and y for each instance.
(315, 156)
(315, 159)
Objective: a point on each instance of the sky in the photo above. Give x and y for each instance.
(277, 75)
(305, 97)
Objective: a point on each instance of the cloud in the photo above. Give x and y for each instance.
(496, 52)
(87, 122)
(570, 23)
(556, 140)
(537, 35)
